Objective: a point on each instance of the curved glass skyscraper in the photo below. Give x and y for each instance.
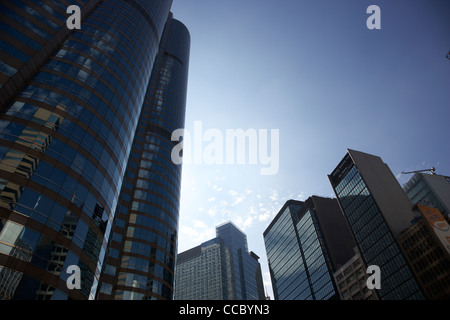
(141, 255)
(72, 103)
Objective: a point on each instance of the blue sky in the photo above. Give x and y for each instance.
(314, 71)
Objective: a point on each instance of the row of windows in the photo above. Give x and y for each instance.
(279, 257)
(372, 233)
(281, 235)
(280, 226)
(158, 166)
(376, 242)
(31, 246)
(299, 290)
(65, 77)
(67, 128)
(15, 34)
(132, 33)
(46, 174)
(348, 176)
(25, 23)
(45, 12)
(144, 234)
(63, 152)
(28, 25)
(158, 209)
(372, 220)
(366, 212)
(294, 272)
(100, 73)
(156, 187)
(159, 198)
(400, 285)
(70, 107)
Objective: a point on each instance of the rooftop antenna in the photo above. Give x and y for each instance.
(432, 171)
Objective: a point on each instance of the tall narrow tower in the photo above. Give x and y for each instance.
(377, 211)
(142, 252)
(71, 102)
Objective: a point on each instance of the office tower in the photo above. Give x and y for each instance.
(427, 248)
(219, 269)
(71, 102)
(305, 243)
(377, 211)
(430, 190)
(141, 255)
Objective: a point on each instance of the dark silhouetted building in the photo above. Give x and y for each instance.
(377, 211)
(305, 243)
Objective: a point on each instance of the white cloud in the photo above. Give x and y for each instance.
(244, 223)
(265, 216)
(233, 193)
(191, 232)
(274, 195)
(211, 199)
(223, 203)
(302, 196)
(200, 224)
(238, 200)
(211, 212)
(267, 282)
(201, 232)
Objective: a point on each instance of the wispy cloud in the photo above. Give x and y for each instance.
(302, 196)
(274, 195)
(197, 233)
(237, 198)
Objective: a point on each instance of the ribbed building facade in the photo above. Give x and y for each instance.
(142, 252)
(72, 101)
(305, 243)
(377, 211)
(220, 269)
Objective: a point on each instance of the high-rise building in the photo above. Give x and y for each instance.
(377, 211)
(219, 269)
(427, 248)
(430, 190)
(141, 255)
(305, 243)
(72, 101)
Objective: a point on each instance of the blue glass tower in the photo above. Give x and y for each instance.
(305, 243)
(72, 101)
(142, 251)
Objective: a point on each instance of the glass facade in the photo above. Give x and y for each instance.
(220, 269)
(141, 255)
(66, 137)
(375, 240)
(429, 190)
(298, 260)
(25, 27)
